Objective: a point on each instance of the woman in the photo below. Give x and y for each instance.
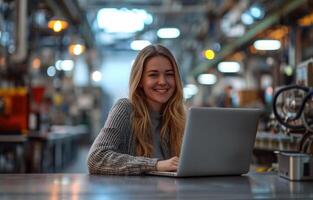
(143, 133)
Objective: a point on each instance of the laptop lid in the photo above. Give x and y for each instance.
(218, 141)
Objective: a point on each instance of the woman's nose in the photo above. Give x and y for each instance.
(162, 79)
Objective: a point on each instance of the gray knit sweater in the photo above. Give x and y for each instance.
(113, 151)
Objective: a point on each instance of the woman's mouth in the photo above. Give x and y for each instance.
(161, 90)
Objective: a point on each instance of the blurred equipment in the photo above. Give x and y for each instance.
(305, 73)
(295, 166)
(13, 111)
(293, 109)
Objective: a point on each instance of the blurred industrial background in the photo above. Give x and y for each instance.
(63, 63)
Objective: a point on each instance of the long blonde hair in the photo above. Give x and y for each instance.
(173, 119)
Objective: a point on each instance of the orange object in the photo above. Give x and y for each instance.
(14, 115)
(37, 94)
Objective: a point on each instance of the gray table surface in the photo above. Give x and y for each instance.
(84, 186)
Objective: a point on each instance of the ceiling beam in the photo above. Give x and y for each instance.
(267, 22)
(157, 9)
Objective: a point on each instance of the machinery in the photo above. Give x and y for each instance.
(13, 111)
(293, 109)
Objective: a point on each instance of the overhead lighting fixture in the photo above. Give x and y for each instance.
(207, 79)
(228, 67)
(58, 65)
(190, 90)
(36, 63)
(267, 45)
(65, 65)
(257, 12)
(114, 20)
(209, 54)
(288, 70)
(193, 89)
(96, 76)
(307, 20)
(168, 33)
(278, 34)
(51, 71)
(137, 45)
(57, 25)
(236, 31)
(246, 18)
(76, 49)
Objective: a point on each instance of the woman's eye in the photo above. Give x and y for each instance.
(170, 74)
(152, 75)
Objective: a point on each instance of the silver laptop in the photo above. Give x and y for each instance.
(217, 141)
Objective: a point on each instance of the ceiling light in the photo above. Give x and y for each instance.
(307, 20)
(51, 71)
(114, 20)
(247, 19)
(207, 79)
(139, 44)
(168, 33)
(66, 65)
(143, 15)
(257, 12)
(235, 31)
(288, 70)
(209, 54)
(57, 25)
(36, 63)
(58, 65)
(190, 90)
(228, 67)
(267, 44)
(76, 49)
(96, 76)
(186, 93)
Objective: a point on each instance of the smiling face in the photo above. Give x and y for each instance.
(158, 82)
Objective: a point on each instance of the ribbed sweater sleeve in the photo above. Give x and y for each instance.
(107, 155)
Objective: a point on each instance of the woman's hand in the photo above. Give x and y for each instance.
(168, 165)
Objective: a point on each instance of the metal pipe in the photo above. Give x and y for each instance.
(21, 32)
